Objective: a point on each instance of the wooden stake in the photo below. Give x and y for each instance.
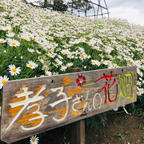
(78, 132)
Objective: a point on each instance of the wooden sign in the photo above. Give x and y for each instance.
(32, 106)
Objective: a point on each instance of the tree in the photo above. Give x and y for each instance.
(82, 5)
(45, 3)
(59, 6)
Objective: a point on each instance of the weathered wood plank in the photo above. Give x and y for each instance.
(32, 106)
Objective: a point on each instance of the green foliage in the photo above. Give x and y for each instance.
(119, 134)
(96, 121)
(59, 5)
(82, 5)
(142, 139)
(1, 9)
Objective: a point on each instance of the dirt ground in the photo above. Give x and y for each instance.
(120, 129)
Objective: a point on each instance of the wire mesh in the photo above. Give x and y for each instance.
(99, 9)
(85, 8)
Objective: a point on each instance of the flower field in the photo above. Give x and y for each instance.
(37, 42)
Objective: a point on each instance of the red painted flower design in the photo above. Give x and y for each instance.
(81, 80)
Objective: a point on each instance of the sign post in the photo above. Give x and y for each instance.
(32, 106)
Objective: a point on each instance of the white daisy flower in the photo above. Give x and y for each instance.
(139, 83)
(69, 64)
(7, 28)
(55, 73)
(142, 67)
(48, 73)
(95, 62)
(2, 41)
(82, 56)
(14, 43)
(10, 34)
(111, 66)
(31, 64)
(88, 56)
(109, 62)
(38, 52)
(34, 140)
(63, 68)
(60, 57)
(85, 67)
(96, 47)
(64, 52)
(138, 63)
(13, 70)
(70, 56)
(139, 72)
(58, 61)
(50, 55)
(140, 91)
(31, 50)
(41, 60)
(3, 81)
(29, 35)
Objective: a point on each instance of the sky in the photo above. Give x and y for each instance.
(132, 10)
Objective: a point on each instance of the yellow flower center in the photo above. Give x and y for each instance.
(30, 65)
(29, 35)
(13, 43)
(34, 38)
(4, 82)
(82, 56)
(14, 70)
(109, 63)
(6, 29)
(1, 41)
(141, 90)
(33, 139)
